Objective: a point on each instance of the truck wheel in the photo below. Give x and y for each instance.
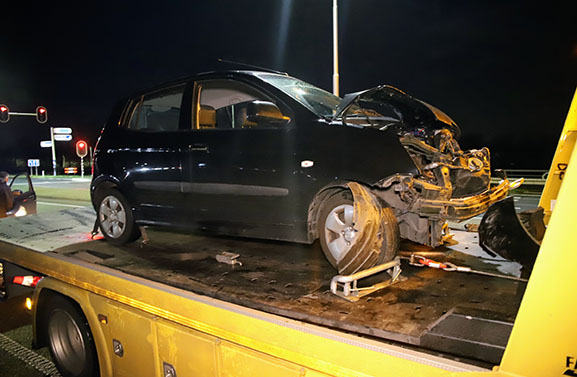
(337, 233)
(115, 218)
(70, 340)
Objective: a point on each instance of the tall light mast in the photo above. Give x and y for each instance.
(335, 49)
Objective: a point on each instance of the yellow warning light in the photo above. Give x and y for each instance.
(28, 303)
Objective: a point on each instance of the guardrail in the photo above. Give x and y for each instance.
(527, 173)
(534, 177)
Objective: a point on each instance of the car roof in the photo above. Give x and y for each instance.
(204, 75)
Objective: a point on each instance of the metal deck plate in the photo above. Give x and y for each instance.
(293, 280)
(49, 231)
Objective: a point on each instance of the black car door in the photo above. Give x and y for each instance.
(151, 156)
(237, 170)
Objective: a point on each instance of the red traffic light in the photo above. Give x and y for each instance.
(4, 114)
(41, 114)
(81, 148)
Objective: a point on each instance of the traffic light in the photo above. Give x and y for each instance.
(81, 148)
(41, 114)
(4, 114)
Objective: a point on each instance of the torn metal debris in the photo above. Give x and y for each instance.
(228, 258)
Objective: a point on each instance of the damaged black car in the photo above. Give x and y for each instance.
(265, 155)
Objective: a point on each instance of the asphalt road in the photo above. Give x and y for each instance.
(56, 194)
(56, 182)
(523, 203)
(17, 359)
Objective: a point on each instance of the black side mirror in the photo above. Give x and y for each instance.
(265, 112)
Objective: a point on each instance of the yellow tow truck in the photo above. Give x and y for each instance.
(190, 305)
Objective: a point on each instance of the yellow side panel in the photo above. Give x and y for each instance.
(133, 329)
(543, 340)
(560, 161)
(243, 362)
(190, 352)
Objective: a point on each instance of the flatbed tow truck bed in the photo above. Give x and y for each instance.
(460, 315)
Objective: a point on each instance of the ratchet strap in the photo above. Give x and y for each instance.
(421, 261)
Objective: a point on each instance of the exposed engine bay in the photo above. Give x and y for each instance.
(451, 184)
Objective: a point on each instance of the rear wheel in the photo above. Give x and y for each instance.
(115, 218)
(70, 340)
(338, 234)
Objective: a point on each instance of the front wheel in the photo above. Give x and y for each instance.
(115, 218)
(70, 340)
(338, 235)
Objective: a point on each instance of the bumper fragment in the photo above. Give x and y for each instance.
(463, 208)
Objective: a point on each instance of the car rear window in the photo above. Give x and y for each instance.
(158, 111)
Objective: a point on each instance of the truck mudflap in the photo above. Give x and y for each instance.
(514, 236)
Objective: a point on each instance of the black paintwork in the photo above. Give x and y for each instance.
(241, 181)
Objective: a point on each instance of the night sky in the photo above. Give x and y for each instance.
(505, 71)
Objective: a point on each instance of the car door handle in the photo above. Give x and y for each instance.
(198, 147)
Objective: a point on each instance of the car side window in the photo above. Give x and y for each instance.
(21, 182)
(158, 111)
(228, 104)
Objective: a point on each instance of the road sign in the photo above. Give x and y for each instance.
(62, 137)
(46, 144)
(32, 163)
(62, 130)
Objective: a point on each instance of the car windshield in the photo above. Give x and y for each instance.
(319, 101)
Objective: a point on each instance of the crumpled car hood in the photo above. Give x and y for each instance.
(412, 112)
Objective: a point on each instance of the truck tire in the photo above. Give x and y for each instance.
(337, 235)
(115, 218)
(69, 339)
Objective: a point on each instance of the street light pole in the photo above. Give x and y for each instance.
(335, 49)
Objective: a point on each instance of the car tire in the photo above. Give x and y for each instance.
(337, 235)
(70, 340)
(115, 218)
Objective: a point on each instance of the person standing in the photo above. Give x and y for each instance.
(6, 196)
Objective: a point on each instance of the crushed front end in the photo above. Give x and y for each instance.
(452, 184)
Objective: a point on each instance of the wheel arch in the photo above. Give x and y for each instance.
(106, 182)
(49, 289)
(100, 183)
(326, 192)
